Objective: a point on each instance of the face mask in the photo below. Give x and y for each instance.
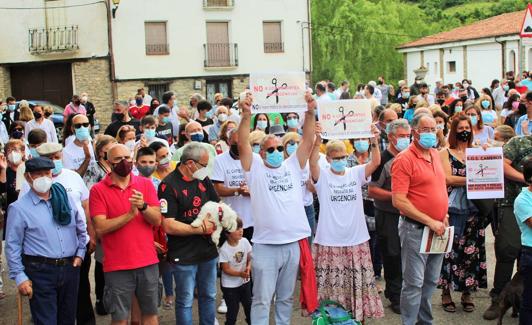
(166, 119)
(274, 159)
(34, 153)
(292, 123)
(11, 107)
(197, 137)
(123, 168)
(58, 167)
(42, 184)
(506, 88)
(1, 115)
(82, 133)
(77, 102)
(15, 157)
(262, 125)
(117, 116)
(291, 148)
(361, 146)
(515, 105)
(474, 120)
(222, 117)
(427, 140)
(487, 118)
(339, 165)
(256, 148)
(47, 115)
(485, 104)
(440, 126)
(130, 145)
(138, 101)
(37, 115)
(234, 149)
(146, 171)
(463, 98)
(84, 99)
(440, 101)
(463, 136)
(405, 95)
(149, 133)
(200, 174)
(402, 144)
(17, 134)
(458, 109)
(165, 162)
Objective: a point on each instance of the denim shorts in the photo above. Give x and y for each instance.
(121, 285)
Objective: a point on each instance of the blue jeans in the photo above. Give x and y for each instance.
(55, 293)
(186, 277)
(525, 313)
(311, 217)
(168, 282)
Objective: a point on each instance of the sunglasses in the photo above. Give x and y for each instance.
(78, 125)
(291, 142)
(272, 149)
(202, 165)
(339, 158)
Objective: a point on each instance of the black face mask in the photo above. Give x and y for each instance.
(463, 136)
(440, 101)
(117, 116)
(17, 134)
(47, 115)
(77, 102)
(37, 115)
(234, 149)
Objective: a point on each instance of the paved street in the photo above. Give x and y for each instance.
(8, 306)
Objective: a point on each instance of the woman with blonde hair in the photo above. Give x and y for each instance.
(489, 116)
(222, 145)
(126, 135)
(26, 114)
(255, 139)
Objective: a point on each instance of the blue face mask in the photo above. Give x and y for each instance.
(149, 133)
(82, 133)
(457, 109)
(506, 88)
(361, 146)
(292, 123)
(339, 165)
(166, 119)
(487, 117)
(274, 159)
(58, 167)
(138, 101)
(256, 148)
(427, 140)
(1, 115)
(197, 137)
(262, 125)
(291, 148)
(402, 144)
(34, 153)
(485, 104)
(474, 120)
(11, 108)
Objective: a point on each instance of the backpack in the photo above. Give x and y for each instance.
(330, 312)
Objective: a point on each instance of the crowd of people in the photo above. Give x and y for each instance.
(340, 213)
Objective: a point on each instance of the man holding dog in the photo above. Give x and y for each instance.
(192, 255)
(279, 217)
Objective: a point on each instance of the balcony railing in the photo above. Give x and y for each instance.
(218, 3)
(274, 47)
(53, 39)
(219, 55)
(157, 49)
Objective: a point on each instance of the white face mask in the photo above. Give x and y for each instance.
(15, 157)
(222, 117)
(84, 99)
(200, 174)
(130, 145)
(42, 184)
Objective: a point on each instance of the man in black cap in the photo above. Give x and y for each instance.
(45, 244)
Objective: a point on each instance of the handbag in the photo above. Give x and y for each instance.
(331, 312)
(458, 202)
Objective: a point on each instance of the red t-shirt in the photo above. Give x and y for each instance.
(422, 181)
(131, 246)
(139, 112)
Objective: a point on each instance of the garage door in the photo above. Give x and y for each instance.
(51, 82)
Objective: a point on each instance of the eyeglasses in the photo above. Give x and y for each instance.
(427, 130)
(339, 158)
(78, 125)
(202, 165)
(272, 149)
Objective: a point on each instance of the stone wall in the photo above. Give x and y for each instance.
(184, 88)
(126, 90)
(239, 85)
(93, 77)
(5, 83)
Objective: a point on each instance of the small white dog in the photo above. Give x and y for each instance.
(221, 214)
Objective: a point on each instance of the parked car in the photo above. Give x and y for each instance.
(57, 116)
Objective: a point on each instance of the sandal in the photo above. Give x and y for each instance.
(467, 304)
(449, 307)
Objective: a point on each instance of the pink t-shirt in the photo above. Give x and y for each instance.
(71, 109)
(131, 246)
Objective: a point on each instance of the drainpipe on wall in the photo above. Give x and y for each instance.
(503, 57)
(114, 90)
(309, 19)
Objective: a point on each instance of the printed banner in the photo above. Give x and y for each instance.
(434, 244)
(484, 173)
(345, 119)
(278, 92)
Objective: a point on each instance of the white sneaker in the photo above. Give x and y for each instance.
(222, 308)
(216, 321)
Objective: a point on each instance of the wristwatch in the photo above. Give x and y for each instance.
(144, 207)
(236, 193)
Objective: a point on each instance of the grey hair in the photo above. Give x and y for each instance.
(193, 151)
(397, 124)
(121, 103)
(418, 118)
(197, 96)
(268, 137)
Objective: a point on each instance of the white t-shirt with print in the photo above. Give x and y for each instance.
(230, 172)
(237, 258)
(341, 221)
(277, 202)
(73, 155)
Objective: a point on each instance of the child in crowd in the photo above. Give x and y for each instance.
(235, 262)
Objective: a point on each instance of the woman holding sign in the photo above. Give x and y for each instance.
(464, 268)
(341, 251)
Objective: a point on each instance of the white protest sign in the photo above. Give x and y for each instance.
(345, 119)
(282, 92)
(484, 173)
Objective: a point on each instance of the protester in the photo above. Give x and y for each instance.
(194, 134)
(385, 117)
(420, 194)
(261, 122)
(523, 126)
(74, 107)
(79, 153)
(124, 208)
(164, 128)
(126, 135)
(139, 110)
(41, 123)
(26, 114)
(203, 108)
(214, 129)
(45, 246)
(89, 108)
(369, 92)
(222, 145)
(12, 114)
(162, 156)
(12, 159)
(489, 115)
(148, 127)
(482, 134)
(121, 113)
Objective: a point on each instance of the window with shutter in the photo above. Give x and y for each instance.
(273, 40)
(156, 40)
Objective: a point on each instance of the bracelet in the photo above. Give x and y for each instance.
(204, 229)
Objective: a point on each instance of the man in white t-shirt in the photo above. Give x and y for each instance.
(79, 153)
(279, 217)
(230, 183)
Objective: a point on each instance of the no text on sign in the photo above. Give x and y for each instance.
(345, 119)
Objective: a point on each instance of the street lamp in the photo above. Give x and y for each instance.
(115, 3)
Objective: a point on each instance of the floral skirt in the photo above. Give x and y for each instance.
(345, 275)
(464, 267)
